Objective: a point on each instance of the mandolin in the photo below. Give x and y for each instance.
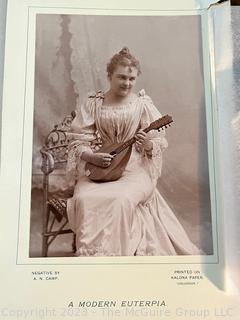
(121, 153)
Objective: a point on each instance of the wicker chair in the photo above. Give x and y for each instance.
(54, 157)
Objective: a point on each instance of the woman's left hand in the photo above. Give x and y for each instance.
(142, 140)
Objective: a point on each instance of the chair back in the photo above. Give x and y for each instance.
(55, 149)
(54, 156)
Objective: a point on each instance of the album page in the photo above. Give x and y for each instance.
(118, 152)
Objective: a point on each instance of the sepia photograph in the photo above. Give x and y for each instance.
(120, 145)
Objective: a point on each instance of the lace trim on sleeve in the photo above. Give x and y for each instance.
(156, 159)
(83, 137)
(75, 165)
(154, 156)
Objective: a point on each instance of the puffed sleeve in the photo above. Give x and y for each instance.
(154, 157)
(83, 137)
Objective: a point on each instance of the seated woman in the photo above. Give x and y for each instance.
(128, 216)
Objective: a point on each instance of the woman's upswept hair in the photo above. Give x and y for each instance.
(124, 58)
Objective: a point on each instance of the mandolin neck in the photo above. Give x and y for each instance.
(127, 143)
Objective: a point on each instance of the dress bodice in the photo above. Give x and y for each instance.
(118, 123)
(96, 122)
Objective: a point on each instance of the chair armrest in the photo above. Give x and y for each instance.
(47, 162)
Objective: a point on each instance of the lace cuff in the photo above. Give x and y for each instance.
(153, 157)
(75, 165)
(156, 158)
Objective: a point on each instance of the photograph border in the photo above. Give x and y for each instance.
(23, 239)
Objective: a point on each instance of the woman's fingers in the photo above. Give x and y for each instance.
(141, 133)
(140, 136)
(143, 141)
(102, 159)
(106, 159)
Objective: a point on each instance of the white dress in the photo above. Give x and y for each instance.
(128, 216)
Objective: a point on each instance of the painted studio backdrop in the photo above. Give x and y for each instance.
(71, 56)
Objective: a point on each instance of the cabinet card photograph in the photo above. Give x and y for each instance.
(120, 157)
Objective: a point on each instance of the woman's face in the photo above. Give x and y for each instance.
(122, 80)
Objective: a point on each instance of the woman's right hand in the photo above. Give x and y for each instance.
(98, 159)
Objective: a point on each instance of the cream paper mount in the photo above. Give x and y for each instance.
(53, 58)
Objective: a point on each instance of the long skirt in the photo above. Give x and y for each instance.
(125, 217)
